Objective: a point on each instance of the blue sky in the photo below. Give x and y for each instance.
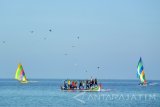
(112, 35)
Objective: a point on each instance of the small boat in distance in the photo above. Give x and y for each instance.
(20, 74)
(140, 73)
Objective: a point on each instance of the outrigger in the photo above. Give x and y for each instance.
(81, 85)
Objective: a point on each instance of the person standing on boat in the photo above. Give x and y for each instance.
(69, 84)
(96, 83)
(87, 84)
(91, 82)
(73, 85)
(65, 85)
(81, 85)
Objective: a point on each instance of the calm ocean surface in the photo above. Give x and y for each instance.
(47, 93)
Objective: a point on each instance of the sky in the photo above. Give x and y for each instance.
(99, 38)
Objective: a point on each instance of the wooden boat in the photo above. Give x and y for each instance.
(93, 88)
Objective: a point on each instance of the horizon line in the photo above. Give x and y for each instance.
(77, 79)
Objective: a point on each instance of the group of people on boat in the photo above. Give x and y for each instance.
(79, 84)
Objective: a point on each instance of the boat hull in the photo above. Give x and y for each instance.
(94, 89)
(24, 82)
(142, 84)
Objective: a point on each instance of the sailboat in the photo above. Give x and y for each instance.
(20, 74)
(140, 73)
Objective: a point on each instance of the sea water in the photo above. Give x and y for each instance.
(47, 93)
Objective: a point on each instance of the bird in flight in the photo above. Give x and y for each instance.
(50, 30)
(31, 31)
(98, 67)
(73, 46)
(65, 54)
(45, 38)
(3, 42)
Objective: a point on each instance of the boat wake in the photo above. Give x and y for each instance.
(105, 90)
(33, 81)
(154, 83)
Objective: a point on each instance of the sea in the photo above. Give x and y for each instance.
(47, 93)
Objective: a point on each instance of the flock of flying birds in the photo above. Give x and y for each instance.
(32, 31)
(50, 30)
